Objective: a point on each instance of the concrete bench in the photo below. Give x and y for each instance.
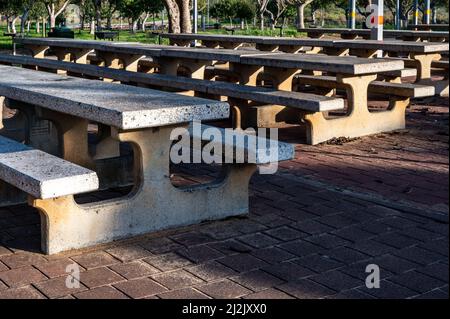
(145, 118)
(440, 65)
(240, 97)
(361, 121)
(43, 177)
(438, 36)
(407, 90)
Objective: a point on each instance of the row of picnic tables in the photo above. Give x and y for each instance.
(249, 62)
(146, 119)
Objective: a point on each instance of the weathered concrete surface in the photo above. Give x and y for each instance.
(40, 174)
(393, 46)
(154, 204)
(260, 150)
(124, 107)
(349, 33)
(316, 62)
(304, 101)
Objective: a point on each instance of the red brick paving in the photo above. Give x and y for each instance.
(311, 231)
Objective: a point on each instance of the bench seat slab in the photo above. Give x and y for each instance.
(40, 174)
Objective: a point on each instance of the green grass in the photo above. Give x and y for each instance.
(125, 36)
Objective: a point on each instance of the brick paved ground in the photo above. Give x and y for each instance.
(312, 230)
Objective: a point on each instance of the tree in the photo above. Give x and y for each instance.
(173, 13)
(54, 9)
(301, 5)
(262, 8)
(132, 10)
(179, 16)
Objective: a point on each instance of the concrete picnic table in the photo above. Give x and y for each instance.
(421, 54)
(429, 27)
(111, 53)
(437, 36)
(262, 43)
(145, 118)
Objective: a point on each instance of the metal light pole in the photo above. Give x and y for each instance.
(416, 12)
(207, 12)
(397, 15)
(427, 13)
(195, 16)
(352, 14)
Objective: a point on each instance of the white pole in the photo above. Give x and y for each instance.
(195, 16)
(376, 33)
(427, 12)
(397, 15)
(416, 12)
(352, 13)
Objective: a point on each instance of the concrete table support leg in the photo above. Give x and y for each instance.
(38, 51)
(277, 115)
(424, 73)
(290, 48)
(195, 69)
(266, 47)
(81, 55)
(211, 44)
(154, 204)
(232, 45)
(73, 136)
(168, 66)
(358, 121)
(248, 74)
(314, 50)
(336, 51)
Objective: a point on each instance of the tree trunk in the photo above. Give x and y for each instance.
(52, 21)
(92, 26)
(185, 16)
(23, 20)
(301, 16)
(38, 27)
(98, 14)
(134, 25)
(13, 24)
(173, 15)
(109, 23)
(28, 25)
(43, 26)
(261, 21)
(144, 21)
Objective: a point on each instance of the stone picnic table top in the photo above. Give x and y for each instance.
(124, 107)
(118, 47)
(387, 33)
(432, 27)
(214, 37)
(317, 62)
(393, 46)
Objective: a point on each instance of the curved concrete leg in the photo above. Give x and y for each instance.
(154, 204)
(358, 121)
(424, 73)
(424, 65)
(73, 136)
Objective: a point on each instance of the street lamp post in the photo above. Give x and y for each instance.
(427, 13)
(195, 16)
(397, 15)
(416, 12)
(352, 14)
